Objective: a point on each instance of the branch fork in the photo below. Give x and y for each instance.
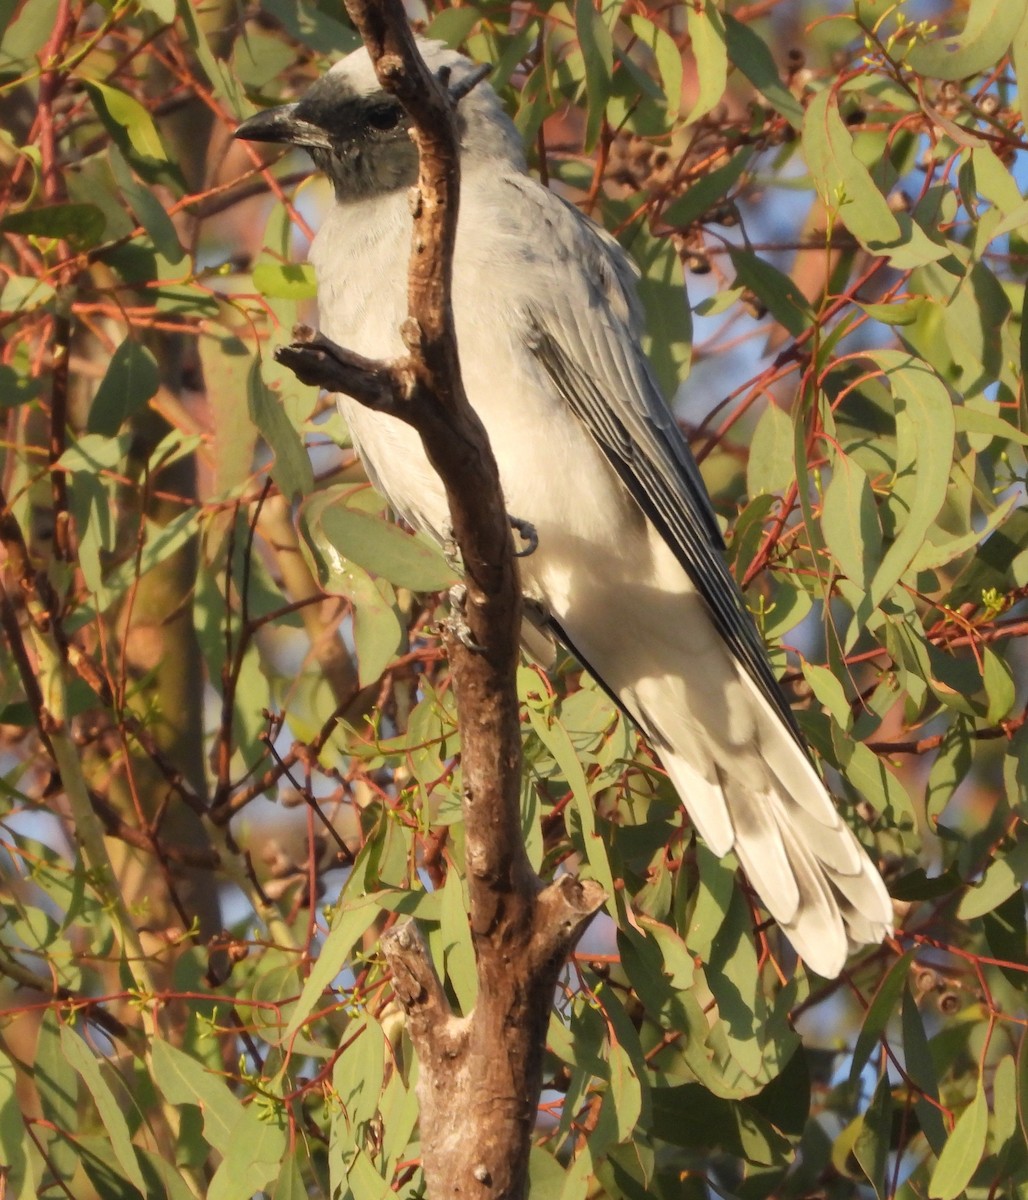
(480, 1074)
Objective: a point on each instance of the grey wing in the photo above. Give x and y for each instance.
(586, 339)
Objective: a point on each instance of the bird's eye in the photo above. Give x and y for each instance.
(384, 119)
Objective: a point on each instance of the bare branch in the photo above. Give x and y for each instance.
(317, 361)
(480, 1074)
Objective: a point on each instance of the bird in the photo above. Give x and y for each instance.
(628, 568)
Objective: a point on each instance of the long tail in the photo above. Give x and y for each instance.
(750, 788)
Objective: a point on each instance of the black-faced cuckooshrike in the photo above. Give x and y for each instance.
(629, 566)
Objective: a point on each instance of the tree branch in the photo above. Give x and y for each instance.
(480, 1075)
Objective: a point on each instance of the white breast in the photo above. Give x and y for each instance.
(552, 473)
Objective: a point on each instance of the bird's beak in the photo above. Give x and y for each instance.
(283, 125)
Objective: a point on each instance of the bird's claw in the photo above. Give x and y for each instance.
(451, 553)
(456, 624)
(528, 534)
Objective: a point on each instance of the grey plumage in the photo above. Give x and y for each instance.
(629, 564)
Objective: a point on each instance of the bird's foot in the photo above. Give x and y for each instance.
(527, 532)
(451, 552)
(456, 624)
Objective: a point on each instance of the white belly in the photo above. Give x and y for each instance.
(552, 473)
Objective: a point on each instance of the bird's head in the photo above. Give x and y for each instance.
(359, 135)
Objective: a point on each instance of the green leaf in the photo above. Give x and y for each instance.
(1007, 936)
(706, 28)
(184, 1080)
(251, 1147)
(713, 896)
(963, 1151)
(925, 429)
(992, 179)
(289, 281)
(259, 58)
(873, 780)
(159, 542)
(101, 1170)
(364, 1182)
(920, 1066)
(770, 466)
(625, 1091)
(938, 554)
(290, 1184)
(880, 1011)
(131, 380)
(23, 293)
(846, 187)
(25, 34)
(689, 1116)
(850, 522)
(872, 1144)
(678, 963)
(707, 192)
(453, 25)
(360, 1071)
(16, 388)
(989, 422)
(732, 976)
(311, 26)
(57, 1086)
(163, 10)
(385, 549)
(668, 58)
(13, 1136)
(668, 338)
(398, 1108)
(597, 49)
(784, 300)
(126, 113)
(458, 948)
(999, 686)
(251, 1160)
(1022, 1084)
(555, 738)
(351, 923)
(1004, 1126)
(949, 770)
(751, 55)
(1019, 56)
(148, 209)
(919, 885)
(81, 224)
(378, 634)
(906, 312)
(986, 37)
(114, 1123)
(545, 1175)
(829, 691)
(292, 469)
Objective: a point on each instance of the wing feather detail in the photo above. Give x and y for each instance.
(588, 346)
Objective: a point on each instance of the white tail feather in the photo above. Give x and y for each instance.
(762, 798)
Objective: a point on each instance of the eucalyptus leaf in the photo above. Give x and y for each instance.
(384, 549)
(292, 469)
(750, 53)
(848, 189)
(81, 224)
(990, 28)
(127, 119)
(963, 1151)
(131, 381)
(86, 1065)
(706, 27)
